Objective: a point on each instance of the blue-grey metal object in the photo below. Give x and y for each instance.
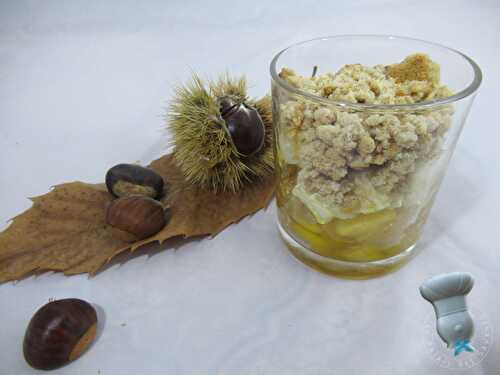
(447, 293)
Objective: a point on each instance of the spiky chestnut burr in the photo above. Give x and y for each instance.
(222, 139)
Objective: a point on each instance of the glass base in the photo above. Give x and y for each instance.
(346, 269)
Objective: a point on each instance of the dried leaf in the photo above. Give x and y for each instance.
(65, 229)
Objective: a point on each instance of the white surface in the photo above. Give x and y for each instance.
(84, 85)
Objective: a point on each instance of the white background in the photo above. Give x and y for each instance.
(84, 85)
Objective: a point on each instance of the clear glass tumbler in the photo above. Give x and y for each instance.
(356, 181)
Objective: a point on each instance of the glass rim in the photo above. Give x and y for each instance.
(469, 90)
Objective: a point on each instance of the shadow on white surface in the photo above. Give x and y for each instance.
(101, 324)
(149, 250)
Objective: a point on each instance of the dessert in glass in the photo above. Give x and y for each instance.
(364, 130)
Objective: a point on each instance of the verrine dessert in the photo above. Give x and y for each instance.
(360, 153)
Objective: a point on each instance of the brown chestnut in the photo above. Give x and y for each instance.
(130, 179)
(244, 124)
(59, 332)
(140, 216)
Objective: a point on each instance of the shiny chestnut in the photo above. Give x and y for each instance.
(130, 179)
(244, 124)
(59, 332)
(139, 216)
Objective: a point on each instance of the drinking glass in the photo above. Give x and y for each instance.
(374, 228)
